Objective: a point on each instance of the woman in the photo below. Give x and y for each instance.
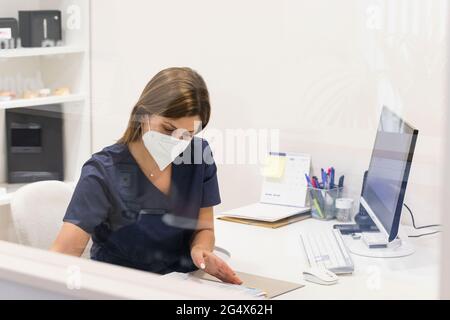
(147, 201)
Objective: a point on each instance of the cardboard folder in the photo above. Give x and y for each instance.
(271, 287)
(268, 224)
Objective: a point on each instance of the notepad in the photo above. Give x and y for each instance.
(274, 167)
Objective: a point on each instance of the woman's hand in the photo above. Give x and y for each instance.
(212, 264)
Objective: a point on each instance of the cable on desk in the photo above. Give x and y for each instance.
(414, 222)
(421, 227)
(424, 234)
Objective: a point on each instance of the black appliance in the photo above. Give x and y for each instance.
(9, 32)
(40, 28)
(34, 144)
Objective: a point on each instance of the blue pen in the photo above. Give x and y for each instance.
(308, 180)
(324, 178)
(332, 178)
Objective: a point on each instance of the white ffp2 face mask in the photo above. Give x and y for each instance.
(163, 148)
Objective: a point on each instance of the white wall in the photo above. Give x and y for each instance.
(316, 70)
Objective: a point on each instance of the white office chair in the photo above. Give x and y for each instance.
(37, 211)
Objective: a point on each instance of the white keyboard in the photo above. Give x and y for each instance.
(327, 249)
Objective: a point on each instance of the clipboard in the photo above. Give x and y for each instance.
(271, 287)
(268, 224)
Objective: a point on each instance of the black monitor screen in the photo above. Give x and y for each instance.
(25, 137)
(388, 173)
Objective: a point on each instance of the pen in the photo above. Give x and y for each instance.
(318, 208)
(314, 194)
(324, 178)
(308, 180)
(341, 181)
(315, 182)
(331, 178)
(319, 194)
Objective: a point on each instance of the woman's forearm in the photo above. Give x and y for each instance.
(204, 239)
(71, 240)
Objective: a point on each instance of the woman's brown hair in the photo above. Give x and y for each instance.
(172, 93)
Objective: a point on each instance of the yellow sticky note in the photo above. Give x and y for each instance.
(274, 167)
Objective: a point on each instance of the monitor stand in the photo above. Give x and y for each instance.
(374, 245)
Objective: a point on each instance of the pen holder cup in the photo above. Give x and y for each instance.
(323, 202)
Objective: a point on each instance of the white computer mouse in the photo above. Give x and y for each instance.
(320, 275)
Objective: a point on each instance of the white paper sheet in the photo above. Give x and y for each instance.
(255, 293)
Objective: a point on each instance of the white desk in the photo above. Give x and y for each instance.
(278, 253)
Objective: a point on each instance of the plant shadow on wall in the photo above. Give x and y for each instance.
(415, 68)
(341, 96)
(402, 65)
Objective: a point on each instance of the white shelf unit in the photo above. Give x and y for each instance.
(18, 103)
(35, 52)
(67, 65)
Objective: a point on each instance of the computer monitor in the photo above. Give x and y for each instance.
(388, 173)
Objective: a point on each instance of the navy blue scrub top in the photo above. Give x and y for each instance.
(131, 222)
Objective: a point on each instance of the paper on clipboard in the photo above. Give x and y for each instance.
(232, 288)
(265, 212)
